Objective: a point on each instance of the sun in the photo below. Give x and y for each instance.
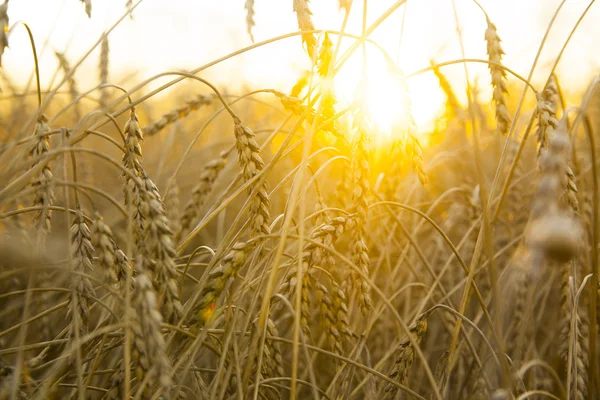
(391, 102)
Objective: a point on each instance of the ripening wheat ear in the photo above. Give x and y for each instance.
(495, 53)
(160, 251)
(416, 152)
(520, 285)
(103, 70)
(313, 256)
(132, 188)
(44, 195)
(295, 105)
(73, 91)
(150, 357)
(360, 198)
(334, 312)
(177, 114)
(272, 360)
(111, 259)
(323, 65)
(546, 112)
(3, 28)
(412, 146)
(172, 207)
(345, 5)
(88, 7)
(249, 6)
(81, 245)
(252, 165)
(452, 105)
(276, 365)
(217, 280)
(208, 176)
(305, 24)
(405, 356)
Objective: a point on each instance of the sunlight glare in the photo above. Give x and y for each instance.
(389, 106)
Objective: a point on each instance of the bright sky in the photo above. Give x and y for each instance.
(184, 34)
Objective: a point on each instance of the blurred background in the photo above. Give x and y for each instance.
(185, 34)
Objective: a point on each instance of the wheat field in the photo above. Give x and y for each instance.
(184, 240)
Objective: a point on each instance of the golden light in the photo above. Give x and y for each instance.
(390, 101)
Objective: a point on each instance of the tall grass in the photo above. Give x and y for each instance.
(269, 247)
